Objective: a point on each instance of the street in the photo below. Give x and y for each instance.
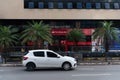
(98, 72)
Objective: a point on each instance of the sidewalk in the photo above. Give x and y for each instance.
(11, 64)
(18, 64)
(99, 63)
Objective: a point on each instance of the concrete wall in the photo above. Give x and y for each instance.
(14, 9)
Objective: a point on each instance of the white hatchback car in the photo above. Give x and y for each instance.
(47, 59)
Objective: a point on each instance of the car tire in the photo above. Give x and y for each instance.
(66, 66)
(30, 66)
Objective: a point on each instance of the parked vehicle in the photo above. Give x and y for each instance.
(47, 59)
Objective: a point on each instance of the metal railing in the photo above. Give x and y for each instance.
(80, 56)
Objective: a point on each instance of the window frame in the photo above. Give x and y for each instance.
(88, 5)
(31, 5)
(69, 5)
(118, 6)
(38, 52)
(60, 5)
(40, 5)
(79, 5)
(51, 56)
(98, 5)
(107, 5)
(50, 4)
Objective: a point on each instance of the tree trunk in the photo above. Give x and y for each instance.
(106, 48)
(76, 48)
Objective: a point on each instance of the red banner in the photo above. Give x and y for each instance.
(59, 32)
(79, 43)
(87, 32)
(65, 42)
(64, 31)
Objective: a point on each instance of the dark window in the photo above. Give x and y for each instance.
(25, 4)
(116, 5)
(30, 4)
(88, 38)
(39, 54)
(98, 6)
(50, 54)
(102, 5)
(60, 5)
(40, 5)
(79, 5)
(107, 5)
(69, 5)
(88, 5)
(50, 5)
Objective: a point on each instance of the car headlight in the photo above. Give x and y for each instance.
(74, 59)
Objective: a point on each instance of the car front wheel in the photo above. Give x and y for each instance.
(66, 66)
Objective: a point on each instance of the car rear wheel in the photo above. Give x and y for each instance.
(66, 66)
(30, 66)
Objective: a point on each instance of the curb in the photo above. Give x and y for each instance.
(93, 63)
(99, 63)
(79, 64)
(11, 65)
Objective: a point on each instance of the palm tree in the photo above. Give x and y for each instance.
(36, 32)
(76, 35)
(106, 35)
(8, 37)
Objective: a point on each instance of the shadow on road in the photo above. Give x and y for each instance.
(47, 69)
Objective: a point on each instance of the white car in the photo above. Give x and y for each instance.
(47, 59)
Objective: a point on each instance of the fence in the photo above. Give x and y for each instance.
(93, 55)
(80, 56)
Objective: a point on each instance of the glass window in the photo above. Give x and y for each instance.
(116, 5)
(98, 6)
(40, 5)
(39, 54)
(60, 5)
(88, 5)
(69, 5)
(79, 5)
(50, 54)
(30, 4)
(50, 5)
(107, 5)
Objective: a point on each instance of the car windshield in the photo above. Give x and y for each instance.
(61, 53)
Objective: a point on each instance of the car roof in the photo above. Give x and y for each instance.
(39, 50)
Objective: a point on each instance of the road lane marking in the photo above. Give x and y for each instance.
(102, 74)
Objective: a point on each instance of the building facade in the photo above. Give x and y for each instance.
(62, 15)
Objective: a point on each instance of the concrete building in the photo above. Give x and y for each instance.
(61, 15)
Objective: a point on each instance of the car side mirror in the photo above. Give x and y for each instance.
(58, 56)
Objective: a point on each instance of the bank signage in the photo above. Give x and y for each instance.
(64, 31)
(59, 32)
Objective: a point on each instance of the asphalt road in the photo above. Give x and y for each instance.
(99, 72)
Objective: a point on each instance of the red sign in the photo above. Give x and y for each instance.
(84, 43)
(61, 31)
(64, 31)
(87, 32)
(65, 42)
(79, 43)
(30, 43)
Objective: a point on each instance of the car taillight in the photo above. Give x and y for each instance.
(25, 58)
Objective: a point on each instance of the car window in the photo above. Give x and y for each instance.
(50, 54)
(39, 54)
